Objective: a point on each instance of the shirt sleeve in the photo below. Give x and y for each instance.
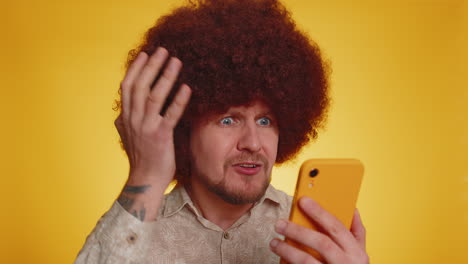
(118, 237)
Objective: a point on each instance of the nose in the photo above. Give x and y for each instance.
(249, 139)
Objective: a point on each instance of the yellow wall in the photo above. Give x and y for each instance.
(400, 101)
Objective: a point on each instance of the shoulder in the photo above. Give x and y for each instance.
(174, 201)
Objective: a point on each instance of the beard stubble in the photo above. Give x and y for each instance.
(237, 197)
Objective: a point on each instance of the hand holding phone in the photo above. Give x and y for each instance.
(334, 184)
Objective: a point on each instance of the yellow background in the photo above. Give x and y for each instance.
(400, 104)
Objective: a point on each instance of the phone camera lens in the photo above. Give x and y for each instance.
(313, 172)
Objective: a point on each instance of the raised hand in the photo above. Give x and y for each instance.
(147, 136)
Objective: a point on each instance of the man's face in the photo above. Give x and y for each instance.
(233, 153)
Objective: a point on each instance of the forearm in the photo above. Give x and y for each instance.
(117, 238)
(142, 197)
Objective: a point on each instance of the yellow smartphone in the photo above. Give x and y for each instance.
(334, 184)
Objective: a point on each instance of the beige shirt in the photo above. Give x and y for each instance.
(182, 235)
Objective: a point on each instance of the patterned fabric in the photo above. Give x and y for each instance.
(182, 235)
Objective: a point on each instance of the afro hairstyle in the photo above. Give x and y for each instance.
(238, 51)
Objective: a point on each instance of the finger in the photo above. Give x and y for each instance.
(127, 83)
(160, 91)
(311, 239)
(328, 222)
(142, 84)
(290, 253)
(358, 229)
(119, 124)
(177, 107)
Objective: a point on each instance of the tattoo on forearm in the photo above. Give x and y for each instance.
(125, 201)
(134, 213)
(142, 214)
(139, 215)
(136, 189)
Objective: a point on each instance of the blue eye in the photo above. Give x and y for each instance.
(264, 121)
(227, 121)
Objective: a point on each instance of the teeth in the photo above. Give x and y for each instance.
(248, 165)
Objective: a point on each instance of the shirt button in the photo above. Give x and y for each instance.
(131, 239)
(226, 235)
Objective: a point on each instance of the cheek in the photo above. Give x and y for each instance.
(221, 147)
(211, 149)
(270, 144)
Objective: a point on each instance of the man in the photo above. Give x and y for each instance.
(253, 91)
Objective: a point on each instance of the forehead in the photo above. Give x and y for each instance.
(255, 107)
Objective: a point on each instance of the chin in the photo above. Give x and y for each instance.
(247, 193)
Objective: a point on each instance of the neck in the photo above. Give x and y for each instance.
(215, 209)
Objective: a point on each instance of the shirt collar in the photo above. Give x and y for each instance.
(272, 195)
(179, 197)
(176, 200)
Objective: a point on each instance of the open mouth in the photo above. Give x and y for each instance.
(248, 165)
(247, 168)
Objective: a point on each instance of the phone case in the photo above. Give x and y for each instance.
(335, 187)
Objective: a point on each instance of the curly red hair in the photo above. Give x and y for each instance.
(235, 52)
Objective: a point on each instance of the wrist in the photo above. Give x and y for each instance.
(140, 177)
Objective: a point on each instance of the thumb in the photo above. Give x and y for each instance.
(358, 230)
(119, 124)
